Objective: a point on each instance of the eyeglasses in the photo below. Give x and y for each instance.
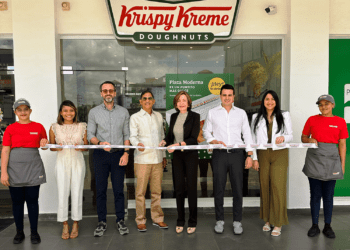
(105, 91)
(149, 98)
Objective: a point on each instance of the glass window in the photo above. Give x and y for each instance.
(7, 98)
(93, 54)
(256, 65)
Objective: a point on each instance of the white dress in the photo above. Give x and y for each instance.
(70, 170)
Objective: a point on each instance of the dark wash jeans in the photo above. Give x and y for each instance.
(105, 163)
(325, 190)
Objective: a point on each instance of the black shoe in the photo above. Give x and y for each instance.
(328, 231)
(100, 229)
(19, 238)
(35, 238)
(122, 228)
(313, 231)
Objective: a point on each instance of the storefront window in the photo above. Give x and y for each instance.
(7, 97)
(256, 65)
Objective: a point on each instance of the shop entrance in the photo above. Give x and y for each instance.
(256, 65)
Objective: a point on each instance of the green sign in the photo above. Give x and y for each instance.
(204, 90)
(339, 78)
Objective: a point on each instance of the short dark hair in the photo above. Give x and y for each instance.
(145, 92)
(227, 86)
(108, 82)
(177, 97)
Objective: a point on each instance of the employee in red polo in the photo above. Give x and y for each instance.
(325, 164)
(22, 169)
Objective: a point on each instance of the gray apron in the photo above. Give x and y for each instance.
(323, 163)
(25, 167)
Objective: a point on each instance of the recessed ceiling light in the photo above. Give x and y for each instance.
(191, 47)
(147, 47)
(186, 62)
(228, 47)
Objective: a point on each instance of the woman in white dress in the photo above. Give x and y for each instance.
(70, 166)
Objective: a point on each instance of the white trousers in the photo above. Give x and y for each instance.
(70, 174)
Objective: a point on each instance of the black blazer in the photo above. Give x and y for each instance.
(191, 129)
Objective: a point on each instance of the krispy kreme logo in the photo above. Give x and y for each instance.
(173, 21)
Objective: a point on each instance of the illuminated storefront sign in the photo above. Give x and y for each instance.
(167, 21)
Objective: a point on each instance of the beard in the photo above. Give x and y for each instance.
(108, 99)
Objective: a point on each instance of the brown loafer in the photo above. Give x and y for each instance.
(142, 228)
(161, 225)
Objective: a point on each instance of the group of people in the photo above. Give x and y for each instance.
(109, 124)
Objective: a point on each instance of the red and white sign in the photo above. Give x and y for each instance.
(173, 21)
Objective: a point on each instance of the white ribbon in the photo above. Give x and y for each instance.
(193, 147)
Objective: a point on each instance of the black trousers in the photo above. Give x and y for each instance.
(185, 171)
(30, 195)
(233, 163)
(105, 163)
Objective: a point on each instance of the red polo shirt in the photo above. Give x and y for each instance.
(24, 135)
(326, 129)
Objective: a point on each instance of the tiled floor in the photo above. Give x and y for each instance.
(293, 236)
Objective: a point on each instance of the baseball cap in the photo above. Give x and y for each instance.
(325, 97)
(19, 102)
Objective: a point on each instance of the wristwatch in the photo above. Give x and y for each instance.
(249, 156)
(126, 151)
(98, 142)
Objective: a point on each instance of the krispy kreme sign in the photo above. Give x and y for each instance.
(173, 21)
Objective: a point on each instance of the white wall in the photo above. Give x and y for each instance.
(36, 76)
(6, 19)
(339, 17)
(308, 51)
(90, 17)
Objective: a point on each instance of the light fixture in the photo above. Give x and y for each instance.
(3, 5)
(65, 6)
(271, 10)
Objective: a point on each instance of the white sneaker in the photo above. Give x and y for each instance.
(237, 227)
(219, 227)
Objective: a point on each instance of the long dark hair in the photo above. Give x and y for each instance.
(67, 103)
(276, 112)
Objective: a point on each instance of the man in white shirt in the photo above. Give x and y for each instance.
(225, 125)
(146, 129)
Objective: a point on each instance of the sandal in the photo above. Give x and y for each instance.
(65, 231)
(191, 230)
(75, 230)
(276, 231)
(267, 227)
(179, 229)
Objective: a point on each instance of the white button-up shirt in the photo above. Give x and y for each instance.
(148, 130)
(228, 127)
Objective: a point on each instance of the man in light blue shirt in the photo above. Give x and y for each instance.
(108, 124)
